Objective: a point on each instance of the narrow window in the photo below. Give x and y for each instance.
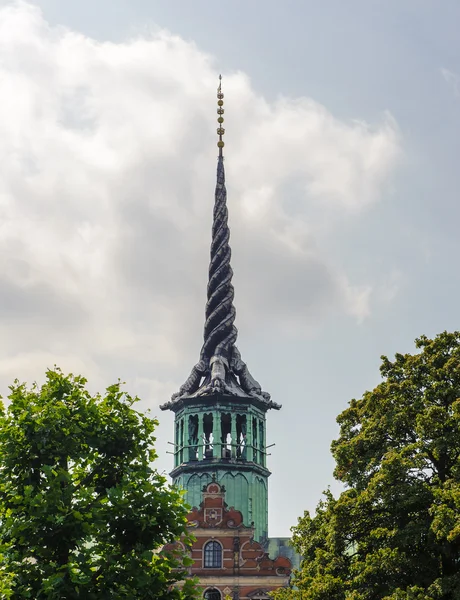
(193, 437)
(241, 431)
(176, 448)
(213, 555)
(255, 442)
(181, 442)
(208, 435)
(262, 443)
(226, 428)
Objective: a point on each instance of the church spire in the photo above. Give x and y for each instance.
(219, 330)
(220, 369)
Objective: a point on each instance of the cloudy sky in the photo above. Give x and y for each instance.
(342, 146)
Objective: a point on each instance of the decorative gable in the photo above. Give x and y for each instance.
(214, 512)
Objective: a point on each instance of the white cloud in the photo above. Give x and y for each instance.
(108, 164)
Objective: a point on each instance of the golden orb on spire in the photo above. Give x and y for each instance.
(220, 112)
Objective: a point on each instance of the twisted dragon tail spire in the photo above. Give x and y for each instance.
(219, 331)
(220, 368)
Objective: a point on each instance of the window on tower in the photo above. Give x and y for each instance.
(255, 440)
(226, 437)
(193, 437)
(261, 442)
(177, 442)
(241, 432)
(208, 435)
(181, 442)
(212, 555)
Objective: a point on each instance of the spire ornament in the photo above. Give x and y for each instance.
(220, 118)
(220, 368)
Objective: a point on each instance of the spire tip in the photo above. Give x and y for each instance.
(220, 119)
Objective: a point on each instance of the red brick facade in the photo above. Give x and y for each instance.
(226, 559)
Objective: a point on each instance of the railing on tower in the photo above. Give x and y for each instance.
(220, 435)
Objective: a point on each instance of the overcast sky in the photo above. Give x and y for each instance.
(342, 158)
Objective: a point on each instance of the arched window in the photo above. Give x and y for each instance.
(213, 557)
(212, 594)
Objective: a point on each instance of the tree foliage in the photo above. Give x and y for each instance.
(82, 512)
(394, 533)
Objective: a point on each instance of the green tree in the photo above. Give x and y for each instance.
(82, 512)
(394, 533)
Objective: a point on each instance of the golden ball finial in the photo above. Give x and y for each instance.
(220, 119)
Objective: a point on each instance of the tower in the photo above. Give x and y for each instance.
(220, 411)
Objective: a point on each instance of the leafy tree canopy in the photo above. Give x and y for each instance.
(394, 533)
(82, 512)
